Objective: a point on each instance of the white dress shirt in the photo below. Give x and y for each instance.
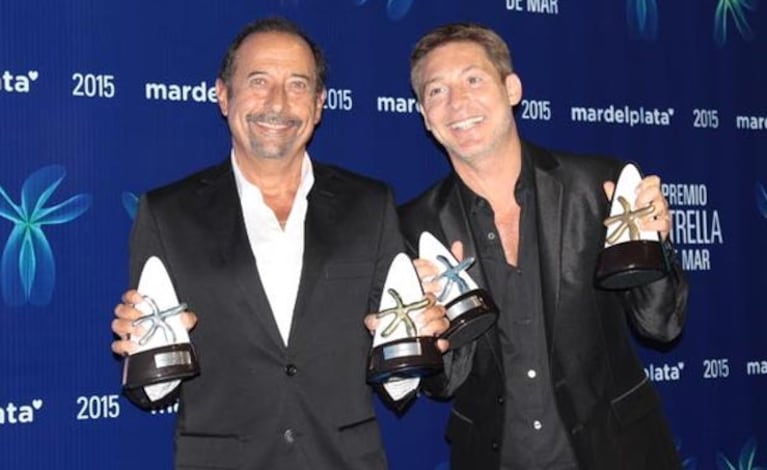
(278, 252)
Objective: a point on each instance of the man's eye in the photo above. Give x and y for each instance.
(474, 80)
(433, 91)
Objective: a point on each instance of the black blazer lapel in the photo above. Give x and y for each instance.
(231, 240)
(454, 221)
(549, 192)
(320, 221)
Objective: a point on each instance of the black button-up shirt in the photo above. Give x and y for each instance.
(533, 434)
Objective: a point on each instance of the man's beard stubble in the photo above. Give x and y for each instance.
(268, 150)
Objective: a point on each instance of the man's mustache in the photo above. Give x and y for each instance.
(278, 119)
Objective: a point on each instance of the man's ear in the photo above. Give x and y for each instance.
(513, 88)
(321, 97)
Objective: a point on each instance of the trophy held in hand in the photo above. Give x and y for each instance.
(400, 356)
(164, 356)
(631, 256)
(469, 308)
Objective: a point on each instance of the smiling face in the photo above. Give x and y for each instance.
(271, 103)
(466, 104)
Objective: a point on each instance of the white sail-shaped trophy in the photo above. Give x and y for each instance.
(164, 355)
(469, 308)
(400, 355)
(631, 256)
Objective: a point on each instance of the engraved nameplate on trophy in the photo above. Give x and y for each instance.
(631, 256)
(164, 356)
(469, 308)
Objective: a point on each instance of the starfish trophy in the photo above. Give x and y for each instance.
(628, 220)
(158, 321)
(452, 275)
(400, 312)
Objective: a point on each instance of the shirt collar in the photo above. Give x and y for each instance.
(523, 185)
(246, 187)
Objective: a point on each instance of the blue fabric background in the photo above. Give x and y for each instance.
(73, 80)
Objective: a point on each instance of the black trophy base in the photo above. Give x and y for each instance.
(470, 315)
(157, 365)
(630, 264)
(404, 358)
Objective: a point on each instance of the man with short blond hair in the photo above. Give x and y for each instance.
(556, 383)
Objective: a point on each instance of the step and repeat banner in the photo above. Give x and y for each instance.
(101, 101)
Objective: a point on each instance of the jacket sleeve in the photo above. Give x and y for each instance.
(457, 365)
(658, 310)
(144, 240)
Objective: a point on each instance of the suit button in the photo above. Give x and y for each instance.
(495, 446)
(288, 436)
(291, 370)
(500, 399)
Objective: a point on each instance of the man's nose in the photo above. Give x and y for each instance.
(457, 97)
(277, 99)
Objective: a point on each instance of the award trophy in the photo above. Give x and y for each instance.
(400, 356)
(469, 308)
(164, 355)
(631, 256)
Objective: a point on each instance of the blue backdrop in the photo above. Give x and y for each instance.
(100, 101)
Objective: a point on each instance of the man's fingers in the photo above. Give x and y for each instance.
(609, 188)
(658, 223)
(651, 182)
(123, 347)
(427, 273)
(188, 319)
(435, 327)
(125, 316)
(125, 329)
(371, 322)
(426, 269)
(434, 321)
(122, 327)
(457, 249)
(649, 194)
(132, 297)
(127, 311)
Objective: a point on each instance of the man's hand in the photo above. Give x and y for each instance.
(648, 193)
(126, 313)
(433, 323)
(434, 320)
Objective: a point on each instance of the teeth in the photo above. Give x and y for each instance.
(463, 125)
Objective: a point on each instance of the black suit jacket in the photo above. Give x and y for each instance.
(610, 409)
(252, 389)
